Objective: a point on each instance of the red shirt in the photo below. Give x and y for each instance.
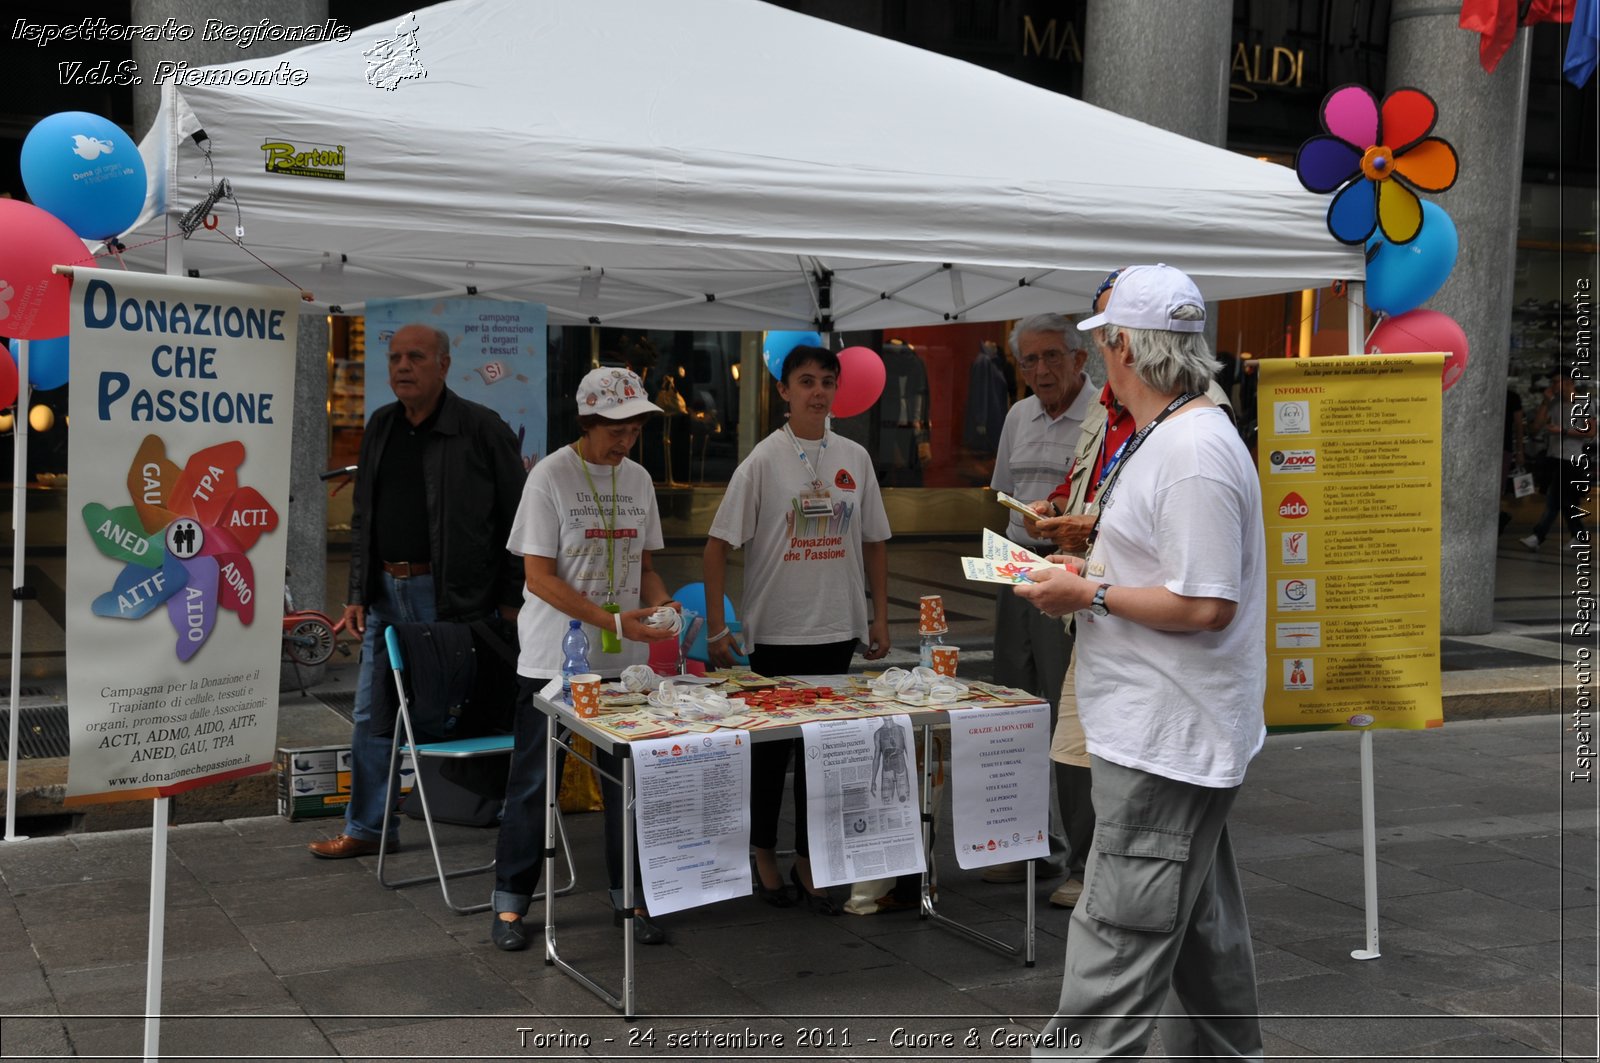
(1119, 426)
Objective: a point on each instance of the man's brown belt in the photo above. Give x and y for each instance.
(406, 569)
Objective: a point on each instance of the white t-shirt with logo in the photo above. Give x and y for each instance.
(803, 576)
(560, 517)
(1184, 514)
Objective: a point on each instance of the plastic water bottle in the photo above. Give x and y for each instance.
(925, 658)
(574, 656)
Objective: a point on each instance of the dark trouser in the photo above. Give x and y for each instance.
(769, 760)
(519, 852)
(1566, 484)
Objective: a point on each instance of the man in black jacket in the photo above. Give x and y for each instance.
(438, 484)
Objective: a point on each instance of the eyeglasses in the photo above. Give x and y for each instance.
(1051, 358)
(1105, 285)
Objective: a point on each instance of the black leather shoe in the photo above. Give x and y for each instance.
(509, 935)
(818, 902)
(644, 931)
(777, 896)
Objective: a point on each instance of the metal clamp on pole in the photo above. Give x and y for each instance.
(24, 593)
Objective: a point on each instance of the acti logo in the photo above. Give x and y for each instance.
(1293, 507)
(844, 481)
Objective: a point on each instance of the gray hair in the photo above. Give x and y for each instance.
(1168, 362)
(1052, 324)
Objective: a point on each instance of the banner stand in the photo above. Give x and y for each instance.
(1369, 851)
(19, 545)
(158, 930)
(1356, 327)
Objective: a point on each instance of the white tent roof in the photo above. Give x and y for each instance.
(626, 160)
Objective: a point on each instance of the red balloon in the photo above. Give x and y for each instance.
(861, 379)
(1424, 332)
(33, 301)
(8, 383)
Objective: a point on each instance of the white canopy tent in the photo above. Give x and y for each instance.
(714, 164)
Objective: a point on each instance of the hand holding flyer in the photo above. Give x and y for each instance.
(1003, 561)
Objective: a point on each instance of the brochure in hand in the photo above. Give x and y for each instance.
(1003, 561)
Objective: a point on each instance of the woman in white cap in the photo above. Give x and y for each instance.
(585, 530)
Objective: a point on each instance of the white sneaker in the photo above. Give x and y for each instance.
(1532, 542)
(1067, 894)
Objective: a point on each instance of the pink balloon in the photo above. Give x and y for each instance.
(8, 383)
(861, 379)
(1424, 332)
(33, 301)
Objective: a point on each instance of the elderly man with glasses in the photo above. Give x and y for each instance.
(1170, 602)
(1030, 649)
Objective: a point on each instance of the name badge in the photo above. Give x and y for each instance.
(1096, 568)
(812, 506)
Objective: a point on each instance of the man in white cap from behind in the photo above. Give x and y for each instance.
(1170, 602)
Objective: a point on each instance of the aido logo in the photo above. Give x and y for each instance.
(1293, 507)
(1293, 461)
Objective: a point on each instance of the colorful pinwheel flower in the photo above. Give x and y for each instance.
(1378, 159)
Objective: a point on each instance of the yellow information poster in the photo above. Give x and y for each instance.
(1350, 484)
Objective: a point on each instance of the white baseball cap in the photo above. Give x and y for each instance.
(1146, 296)
(613, 393)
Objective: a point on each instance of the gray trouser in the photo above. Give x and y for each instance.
(1162, 909)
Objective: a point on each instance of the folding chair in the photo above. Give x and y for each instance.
(460, 748)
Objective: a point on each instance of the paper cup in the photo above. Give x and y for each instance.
(586, 695)
(944, 659)
(930, 616)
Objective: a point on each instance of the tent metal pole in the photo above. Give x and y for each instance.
(19, 545)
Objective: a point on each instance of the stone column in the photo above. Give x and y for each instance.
(307, 523)
(1483, 116)
(1165, 63)
(196, 52)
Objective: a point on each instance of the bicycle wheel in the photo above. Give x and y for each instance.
(310, 642)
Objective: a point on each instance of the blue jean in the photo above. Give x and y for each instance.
(399, 601)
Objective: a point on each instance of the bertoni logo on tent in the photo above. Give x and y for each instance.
(313, 160)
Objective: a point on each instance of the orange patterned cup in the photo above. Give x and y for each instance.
(930, 618)
(586, 695)
(944, 659)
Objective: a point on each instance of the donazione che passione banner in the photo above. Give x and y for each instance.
(1350, 484)
(182, 408)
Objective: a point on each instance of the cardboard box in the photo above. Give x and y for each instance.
(315, 781)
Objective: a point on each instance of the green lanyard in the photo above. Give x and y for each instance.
(610, 525)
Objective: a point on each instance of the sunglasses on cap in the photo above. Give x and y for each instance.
(1106, 285)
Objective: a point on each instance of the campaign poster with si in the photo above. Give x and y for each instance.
(1349, 457)
(182, 419)
(497, 358)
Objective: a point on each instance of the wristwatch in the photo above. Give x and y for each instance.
(1098, 605)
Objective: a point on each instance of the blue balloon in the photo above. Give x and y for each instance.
(692, 597)
(779, 344)
(47, 362)
(1401, 277)
(86, 171)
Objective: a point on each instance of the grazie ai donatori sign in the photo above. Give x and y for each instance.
(181, 426)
